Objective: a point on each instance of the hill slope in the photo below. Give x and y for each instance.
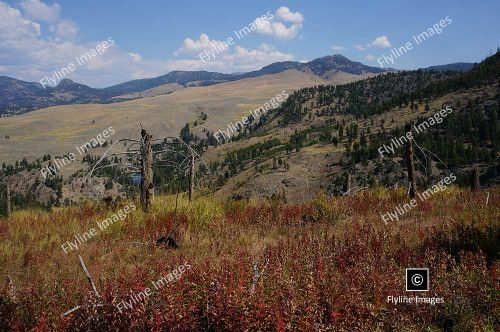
(18, 96)
(322, 133)
(458, 66)
(56, 130)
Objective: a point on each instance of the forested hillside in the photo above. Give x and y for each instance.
(354, 120)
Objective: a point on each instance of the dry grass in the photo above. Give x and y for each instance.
(56, 130)
(331, 274)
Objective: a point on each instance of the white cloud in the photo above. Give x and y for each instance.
(190, 46)
(65, 29)
(370, 57)
(40, 11)
(338, 48)
(274, 25)
(261, 56)
(241, 59)
(135, 57)
(28, 53)
(285, 15)
(227, 57)
(14, 27)
(381, 41)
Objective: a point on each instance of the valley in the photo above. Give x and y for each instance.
(198, 166)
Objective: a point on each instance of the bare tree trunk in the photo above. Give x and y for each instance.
(429, 169)
(475, 183)
(89, 277)
(191, 178)
(92, 284)
(347, 187)
(176, 200)
(7, 200)
(409, 163)
(147, 186)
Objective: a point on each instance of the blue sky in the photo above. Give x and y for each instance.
(152, 38)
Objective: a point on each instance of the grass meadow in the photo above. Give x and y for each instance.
(327, 265)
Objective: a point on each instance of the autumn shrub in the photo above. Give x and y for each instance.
(257, 266)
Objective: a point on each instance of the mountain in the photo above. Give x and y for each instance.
(327, 65)
(185, 78)
(458, 66)
(323, 67)
(18, 96)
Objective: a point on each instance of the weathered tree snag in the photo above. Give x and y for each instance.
(89, 277)
(347, 187)
(429, 169)
(92, 284)
(474, 179)
(147, 187)
(409, 163)
(191, 178)
(176, 201)
(7, 201)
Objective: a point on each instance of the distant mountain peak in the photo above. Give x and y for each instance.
(335, 56)
(338, 62)
(66, 82)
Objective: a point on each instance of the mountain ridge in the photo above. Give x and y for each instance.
(456, 66)
(17, 96)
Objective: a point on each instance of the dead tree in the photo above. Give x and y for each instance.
(7, 201)
(474, 179)
(89, 277)
(147, 187)
(428, 168)
(92, 284)
(143, 155)
(409, 162)
(347, 186)
(191, 178)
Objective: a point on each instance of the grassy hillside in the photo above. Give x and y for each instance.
(328, 264)
(56, 130)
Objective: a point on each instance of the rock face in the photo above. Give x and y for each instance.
(32, 186)
(32, 183)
